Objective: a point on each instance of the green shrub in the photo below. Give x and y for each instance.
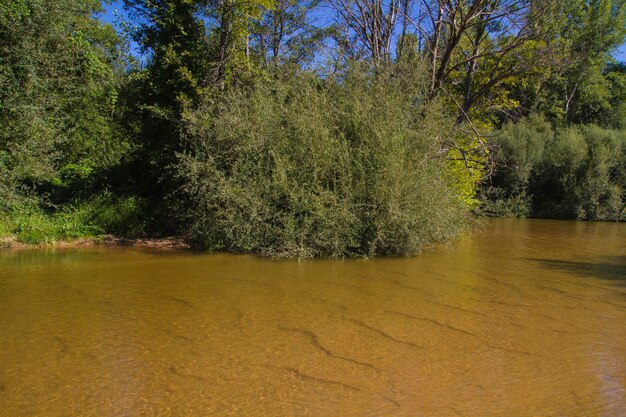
(120, 216)
(518, 149)
(304, 167)
(577, 172)
(497, 202)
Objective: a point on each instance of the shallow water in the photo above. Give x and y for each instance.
(527, 318)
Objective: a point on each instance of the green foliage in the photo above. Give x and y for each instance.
(467, 155)
(58, 92)
(499, 202)
(614, 114)
(248, 130)
(118, 215)
(285, 33)
(34, 226)
(230, 39)
(102, 214)
(583, 175)
(577, 172)
(578, 83)
(520, 148)
(303, 167)
(154, 99)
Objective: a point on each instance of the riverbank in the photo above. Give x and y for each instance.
(166, 243)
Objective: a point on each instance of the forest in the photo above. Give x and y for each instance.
(306, 128)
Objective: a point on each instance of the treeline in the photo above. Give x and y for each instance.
(308, 128)
(576, 172)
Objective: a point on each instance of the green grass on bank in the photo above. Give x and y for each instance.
(103, 214)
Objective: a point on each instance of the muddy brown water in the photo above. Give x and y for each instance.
(527, 318)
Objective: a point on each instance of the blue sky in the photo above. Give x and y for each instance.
(109, 10)
(116, 7)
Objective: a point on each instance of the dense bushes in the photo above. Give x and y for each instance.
(577, 172)
(286, 165)
(58, 91)
(60, 71)
(327, 145)
(305, 167)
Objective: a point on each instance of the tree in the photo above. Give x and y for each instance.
(474, 44)
(173, 36)
(579, 37)
(286, 33)
(231, 22)
(373, 22)
(59, 70)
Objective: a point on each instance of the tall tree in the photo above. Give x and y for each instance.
(581, 37)
(373, 23)
(173, 37)
(58, 89)
(230, 32)
(287, 33)
(465, 36)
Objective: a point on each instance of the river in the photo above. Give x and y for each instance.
(524, 318)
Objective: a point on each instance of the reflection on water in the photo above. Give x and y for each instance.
(608, 267)
(524, 319)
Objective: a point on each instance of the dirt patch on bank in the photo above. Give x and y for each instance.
(172, 242)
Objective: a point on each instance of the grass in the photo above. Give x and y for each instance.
(103, 214)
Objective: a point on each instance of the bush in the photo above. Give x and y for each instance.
(577, 172)
(497, 202)
(303, 167)
(120, 216)
(517, 150)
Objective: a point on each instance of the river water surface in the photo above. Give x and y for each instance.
(526, 318)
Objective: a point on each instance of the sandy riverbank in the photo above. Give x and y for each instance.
(11, 243)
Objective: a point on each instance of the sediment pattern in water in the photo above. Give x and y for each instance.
(526, 318)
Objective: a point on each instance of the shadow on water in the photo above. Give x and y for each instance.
(611, 267)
